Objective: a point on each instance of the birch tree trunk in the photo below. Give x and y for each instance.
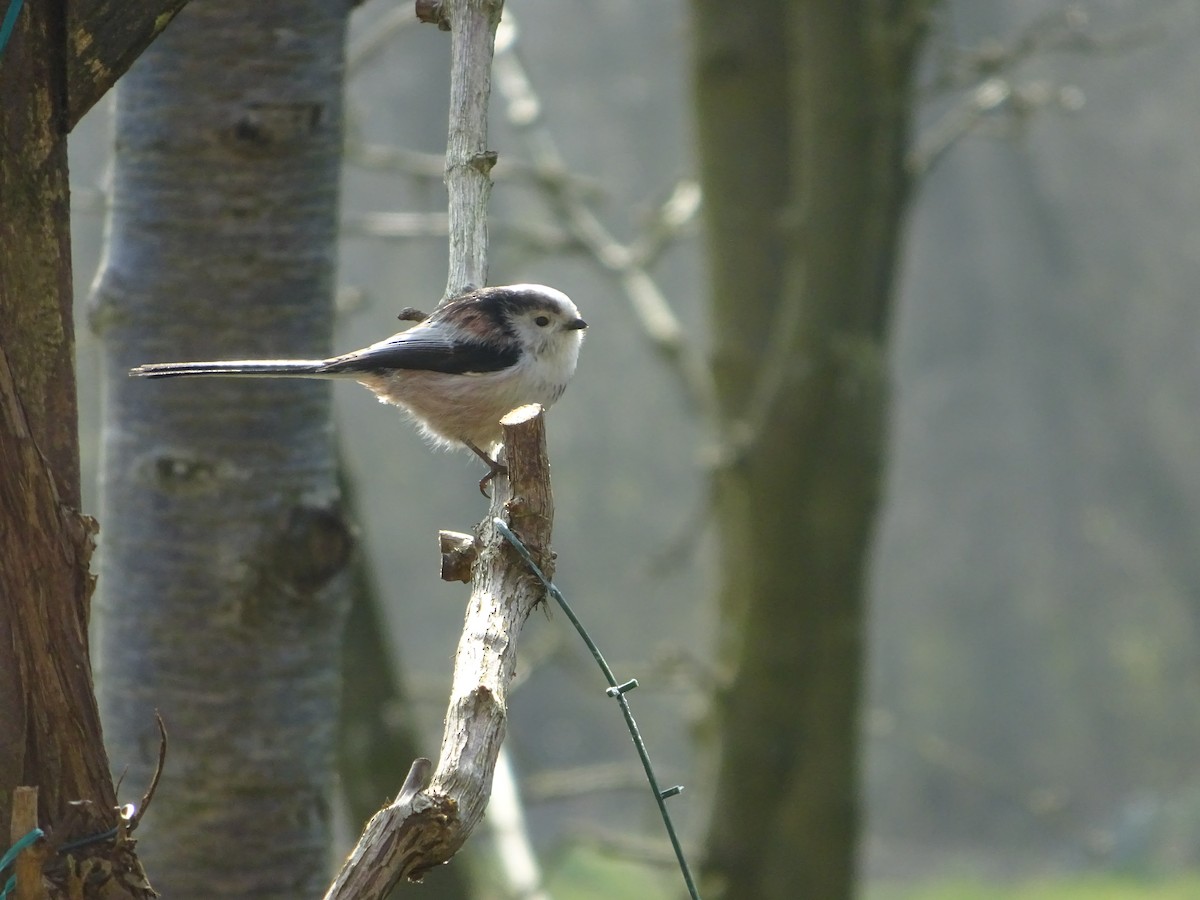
(223, 591)
(803, 112)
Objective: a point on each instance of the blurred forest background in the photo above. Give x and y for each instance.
(1033, 638)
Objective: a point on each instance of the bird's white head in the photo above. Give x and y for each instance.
(545, 323)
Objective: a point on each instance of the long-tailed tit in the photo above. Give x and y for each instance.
(457, 372)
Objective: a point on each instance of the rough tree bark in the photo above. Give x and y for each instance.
(431, 818)
(803, 111)
(62, 60)
(222, 587)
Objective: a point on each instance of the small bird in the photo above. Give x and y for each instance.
(456, 372)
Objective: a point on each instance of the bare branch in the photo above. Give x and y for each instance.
(514, 849)
(629, 263)
(986, 73)
(104, 37)
(402, 161)
(458, 555)
(396, 160)
(961, 120)
(409, 225)
(627, 847)
(1063, 30)
(403, 226)
(396, 225)
(383, 32)
(468, 161)
(597, 778)
(422, 830)
(675, 215)
(997, 102)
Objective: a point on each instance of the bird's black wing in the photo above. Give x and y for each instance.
(418, 349)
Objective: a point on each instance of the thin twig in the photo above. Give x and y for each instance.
(380, 36)
(390, 226)
(158, 770)
(994, 101)
(377, 157)
(630, 263)
(1066, 30)
(985, 76)
(598, 778)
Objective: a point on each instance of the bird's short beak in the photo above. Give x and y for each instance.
(576, 325)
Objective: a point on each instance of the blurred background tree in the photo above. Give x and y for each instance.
(803, 112)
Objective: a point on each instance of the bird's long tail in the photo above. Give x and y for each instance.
(235, 368)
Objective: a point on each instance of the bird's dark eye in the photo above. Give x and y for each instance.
(543, 321)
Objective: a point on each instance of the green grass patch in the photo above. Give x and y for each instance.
(1090, 887)
(582, 874)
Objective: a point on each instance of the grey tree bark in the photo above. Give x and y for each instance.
(803, 112)
(223, 591)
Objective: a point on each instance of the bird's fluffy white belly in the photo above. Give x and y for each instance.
(452, 409)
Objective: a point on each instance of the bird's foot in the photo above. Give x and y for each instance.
(494, 468)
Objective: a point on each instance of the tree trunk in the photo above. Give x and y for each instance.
(222, 586)
(50, 737)
(46, 704)
(803, 113)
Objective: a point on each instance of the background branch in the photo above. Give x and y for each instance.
(630, 263)
(104, 37)
(985, 80)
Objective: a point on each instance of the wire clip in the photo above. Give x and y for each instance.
(619, 689)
